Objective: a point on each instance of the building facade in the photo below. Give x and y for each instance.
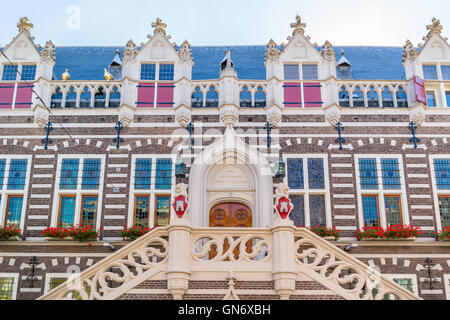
(362, 135)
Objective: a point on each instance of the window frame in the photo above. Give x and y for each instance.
(447, 285)
(436, 192)
(15, 283)
(435, 98)
(381, 192)
(437, 67)
(413, 277)
(156, 207)
(79, 192)
(300, 70)
(19, 66)
(5, 193)
(306, 192)
(157, 70)
(152, 192)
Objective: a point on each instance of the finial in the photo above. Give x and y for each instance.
(298, 26)
(66, 76)
(159, 26)
(108, 76)
(24, 25)
(185, 52)
(435, 26)
(327, 52)
(409, 52)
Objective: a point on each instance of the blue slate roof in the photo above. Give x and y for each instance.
(370, 63)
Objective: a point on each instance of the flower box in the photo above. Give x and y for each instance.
(134, 233)
(374, 239)
(59, 239)
(444, 235)
(392, 233)
(81, 234)
(402, 239)
(11, 234)
(15, 238)
(331, 234)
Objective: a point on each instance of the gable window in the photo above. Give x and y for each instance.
(307, 178)
(381, 191)
(157, 71)
(13, 188)
(28, 72)
(441, 187)
(430, 72)
(310, 72)
(9, 72)
(148, 71)
(166, 72)
(79, 188)
(151, 189)
(431, 99)
(445, 72)
(291, 72)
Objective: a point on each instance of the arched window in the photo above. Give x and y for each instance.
(344, 98)
(358, 98)
(71, 98)
(197, 98)
(85, 98)
(260, 98)
(56, 99)
(372, 98)
(388, 99)
(100, 98)
(246, 98)
(114, 98)
(402, 100)
(212, 98)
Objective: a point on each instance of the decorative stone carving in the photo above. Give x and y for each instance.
(273, 114)
(41, 116)
(434, 28)
(130, 52)
(298, 26)
(327, 52)
(417, 114)
(126, 115)
(48, 53)
(183, 116)
(229, 115)
(159, 26)
(333, 115)
(282, 191)
(272, 52)
(24, 25)
(185, 52)
(409, 52)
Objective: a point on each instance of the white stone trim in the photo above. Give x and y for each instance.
(447, 285)
(436, 192)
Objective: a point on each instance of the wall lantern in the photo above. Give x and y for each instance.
(280, 169)
(180, 169)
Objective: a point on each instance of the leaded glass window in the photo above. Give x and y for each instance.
(17, 174)
(310, 72)
(368, 174)
(29, 72)
(370, 210)
(2, 171)
(142, 209)
(317, 210)
(316, 174)
(445, 72)
(405, 283)
(391, 174)
(442, 169)
(6, 288)
(143, 174)
(164, 174)
(444, 209)
(55, 282)
(291, 72)
(89, 211)
(69, 174)
(430, 72)
(9, 72)
(67, 211)
(393, 210)
(431, 99)
(91, 174)
(14, 211)
(148, 71)
(166, 72)
(295, 174)
(298, 213)
(162, 211)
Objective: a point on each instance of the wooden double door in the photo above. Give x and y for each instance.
(231, 215)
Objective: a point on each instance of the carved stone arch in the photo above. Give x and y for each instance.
(260, 85)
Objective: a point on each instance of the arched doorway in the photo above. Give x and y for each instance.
(231, 215)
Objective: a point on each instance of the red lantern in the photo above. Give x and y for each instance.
(284, 207)
(180, 206)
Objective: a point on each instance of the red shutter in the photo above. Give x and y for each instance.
(419, 88)
(313, 95)
(146, 95)
(292, 95)
(165, 95)
(24, 95)
(6, 95)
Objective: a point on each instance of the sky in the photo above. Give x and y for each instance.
(230, 22)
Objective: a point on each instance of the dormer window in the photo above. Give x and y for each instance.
(430, 72)
(28, 72)
(157, 72)
(291, 72)
(445, 72)
(310, 72)
(307, 72)
(9, 72)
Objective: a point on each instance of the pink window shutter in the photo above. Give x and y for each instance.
(165, 95)
(313, 95)
(146, 95)
(419, 88)
(24, 96)
(6, 95)
(292, 95)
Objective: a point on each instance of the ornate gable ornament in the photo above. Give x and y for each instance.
(130, 53)
(159, 26)
(327, 52)
(409, 52)
(48, 53)
(185, 52)
(298, 26)
(24, 25)
(272, 52)
(434, 28)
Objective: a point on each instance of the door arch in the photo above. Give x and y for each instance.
(231, 215)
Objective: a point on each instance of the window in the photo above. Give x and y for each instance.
(148, 71)
(291, 72)
(29, 72)
(431, 99)
(445, 72)
(430, 72)
(310, 72)
(407, 281)
(54, 280)
(307, 178)
(151, 189)
(166, 72)
(444, 210)
(13, 186)
(9, 72)
(79, 191)
(381, 191)
(8, 287)
(157, 72)
(441, 188)
(447, 98)
(442, 172)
